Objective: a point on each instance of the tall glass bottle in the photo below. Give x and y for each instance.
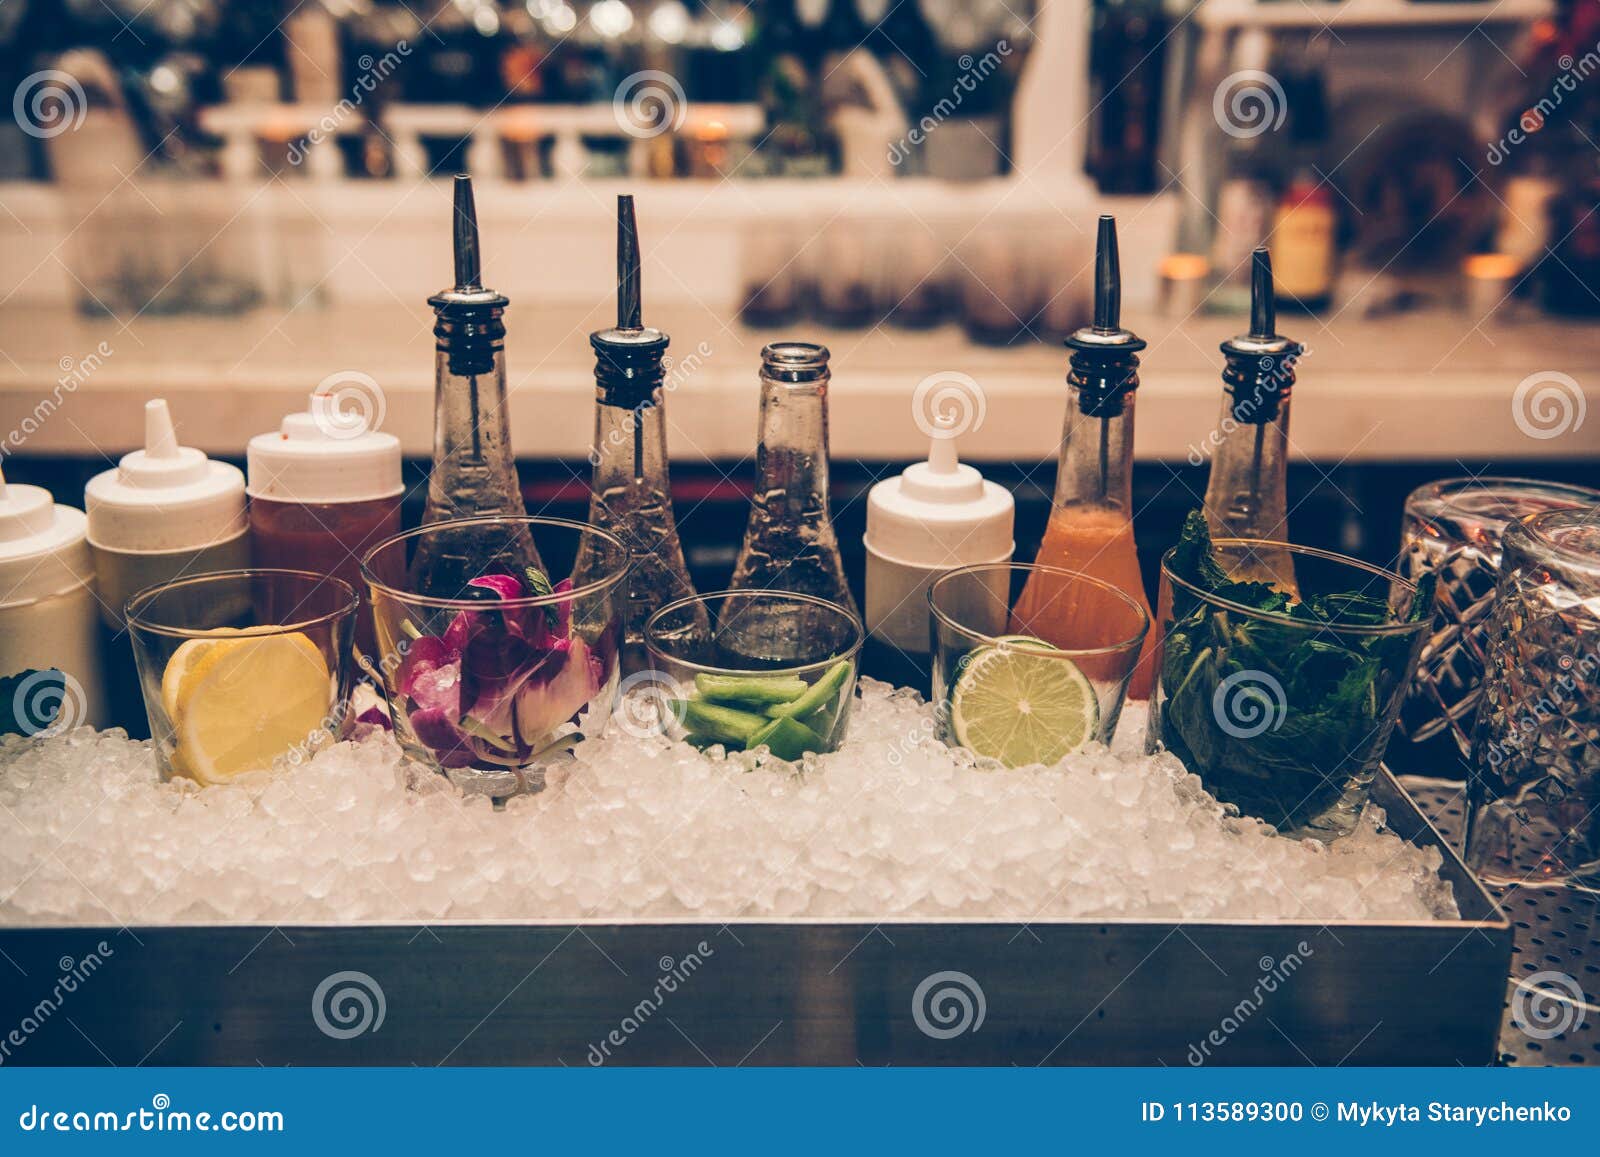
(631, 495)
(789, 542)
(1246, 494)
(1091, 519)
(474, 472)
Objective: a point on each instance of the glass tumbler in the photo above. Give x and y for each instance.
(243, 670)
(1017, 698)
(1286, 713)
(1452, 528)
(756, 668)
(496, 684)
(1534, 793)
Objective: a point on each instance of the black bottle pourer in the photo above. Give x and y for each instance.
(1259, 372)
(1105, 362)
(468, 323)
(628, 357)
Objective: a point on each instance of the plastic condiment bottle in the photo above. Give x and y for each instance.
(165, 512)
(325, 489)
(47, 609)
(934, 516)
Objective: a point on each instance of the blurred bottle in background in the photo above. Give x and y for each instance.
(1126, 58)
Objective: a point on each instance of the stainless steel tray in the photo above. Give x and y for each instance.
(751, 992)
(1555, 935)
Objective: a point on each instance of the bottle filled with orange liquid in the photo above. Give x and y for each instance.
(1091, 520)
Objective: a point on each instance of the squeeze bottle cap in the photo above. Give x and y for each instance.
(43, 550)
(165, 497)
(940, 513)
(328, 453)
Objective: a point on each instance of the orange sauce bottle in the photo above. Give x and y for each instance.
(1091, 522)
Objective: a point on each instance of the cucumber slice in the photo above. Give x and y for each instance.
(749, 688)
(725, 724)
(822, 691)
(788, 739)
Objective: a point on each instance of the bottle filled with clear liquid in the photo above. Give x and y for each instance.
(789, 541)
(1247, 491)
(474, 473)
(631, 495)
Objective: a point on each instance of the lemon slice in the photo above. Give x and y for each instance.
(1023, 706)
(238, 704)
(184, 658)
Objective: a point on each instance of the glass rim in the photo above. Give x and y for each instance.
(1447, 488)
(1394, 628)
(1133, 642)
(857, 627)
(1534, 526)
(141, 599)
(555, 598)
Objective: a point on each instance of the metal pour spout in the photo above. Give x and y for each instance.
(1104, 355)
(1263, 301)
(1107, 277)
(469, 265)
(630, 296)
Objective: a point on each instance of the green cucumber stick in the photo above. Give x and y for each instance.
(749, 688)
(821, 693)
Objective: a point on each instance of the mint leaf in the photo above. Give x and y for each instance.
(1331, 687)
(539, 587)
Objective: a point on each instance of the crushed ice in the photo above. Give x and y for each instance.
(894, 825)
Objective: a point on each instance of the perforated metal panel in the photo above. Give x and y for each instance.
(1553, 993)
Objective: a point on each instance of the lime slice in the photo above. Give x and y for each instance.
(1027, 642)
(1022, 707)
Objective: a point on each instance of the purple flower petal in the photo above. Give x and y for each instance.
(375, 716)
(422, 655)
(563, 687)
(504, 585)
(436, 730)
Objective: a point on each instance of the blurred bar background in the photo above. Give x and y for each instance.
(225, 203)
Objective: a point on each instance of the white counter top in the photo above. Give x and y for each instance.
(1420, 387)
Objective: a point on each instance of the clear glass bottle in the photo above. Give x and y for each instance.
(1091, 519)
(474, 471)
(1246, 494)
(631, 495)
(789, 542)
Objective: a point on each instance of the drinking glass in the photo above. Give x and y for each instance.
(772, 275)
(917, 281)
(1016, 697)
(496, 684)
(1001, 290)
(1282, 714)
(850, 259)
(243, 670)
(753, 668)
(1534, 792)
(1452, 528)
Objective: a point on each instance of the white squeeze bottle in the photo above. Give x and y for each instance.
(165, 512)
(47, 613)
(934, 516)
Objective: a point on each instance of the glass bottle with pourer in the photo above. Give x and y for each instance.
(1091, 518)
(474, 471)
(631, 495)
(1246, 494)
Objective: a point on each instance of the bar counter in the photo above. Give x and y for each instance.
(1418, 387)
